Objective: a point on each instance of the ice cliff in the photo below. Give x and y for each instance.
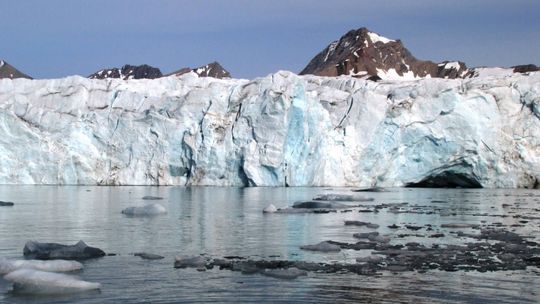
(280, 130)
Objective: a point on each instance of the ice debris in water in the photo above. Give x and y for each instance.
(41, 282)
(152, 198)
(146, 210)
(7, 266)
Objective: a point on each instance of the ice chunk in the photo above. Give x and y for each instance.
(41, 282)
(51, 251)
(7, 266)
(189, 262)
(322, 247)
(270, 209)
(6, 204)
(285, 273)
(148, 256)
(146, 210)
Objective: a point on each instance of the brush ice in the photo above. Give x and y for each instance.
(7, 266)
(42, 282)
(279, 130)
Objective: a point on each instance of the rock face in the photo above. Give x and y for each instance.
(280, 130)
(128, 72)
(362, 53)
(213, 69)
(8, 71)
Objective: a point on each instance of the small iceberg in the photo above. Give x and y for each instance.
(7, 266)
(41, 282)
(146, 210)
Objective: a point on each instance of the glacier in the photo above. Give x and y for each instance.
(279, 130)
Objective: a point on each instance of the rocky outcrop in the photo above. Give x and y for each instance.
(128, 72)
(362, 53)
(280, 130)
(9, 71)
(525, 68)
(213, 69)
(144, 71)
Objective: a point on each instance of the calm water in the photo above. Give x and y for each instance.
(219, 222)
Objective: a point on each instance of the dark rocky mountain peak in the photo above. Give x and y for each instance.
(9, 71)
(213, 69)
(525, 68)
(128, 72)
(363, 53)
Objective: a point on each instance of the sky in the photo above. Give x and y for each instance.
(252, 38)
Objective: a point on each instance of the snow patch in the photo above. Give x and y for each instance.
(377, 38)
(392, 74)
(451, 65)
(492, 72)
(331, 49)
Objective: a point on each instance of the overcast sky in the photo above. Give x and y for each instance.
(251, 38)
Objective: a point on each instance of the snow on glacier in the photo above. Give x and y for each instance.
(279, 130)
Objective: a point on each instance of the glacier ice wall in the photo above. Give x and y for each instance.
(280, 130)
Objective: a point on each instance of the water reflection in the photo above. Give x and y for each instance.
(228, 221)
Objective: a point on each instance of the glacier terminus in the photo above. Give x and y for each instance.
(279, 130)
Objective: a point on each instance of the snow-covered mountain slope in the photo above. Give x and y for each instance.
(279, 130)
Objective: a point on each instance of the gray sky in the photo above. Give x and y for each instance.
(251, 38)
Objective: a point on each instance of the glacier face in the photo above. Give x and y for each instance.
(280, 130)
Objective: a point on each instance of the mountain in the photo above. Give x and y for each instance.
(278, 130)
(8, 71)
(363, 53)
(213, 69)
(128, 72)
(144, 71)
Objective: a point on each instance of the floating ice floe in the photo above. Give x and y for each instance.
(41, 282)
(7, 266)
